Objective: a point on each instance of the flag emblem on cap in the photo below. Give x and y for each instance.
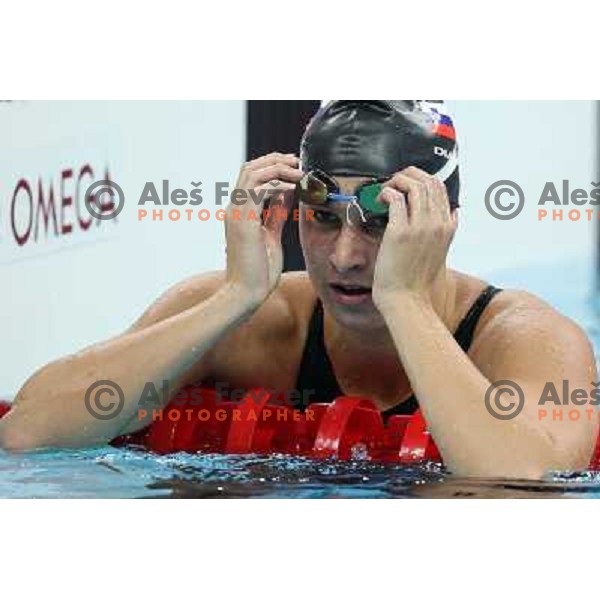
(443, 126)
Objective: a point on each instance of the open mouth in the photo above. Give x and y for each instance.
(350, 294)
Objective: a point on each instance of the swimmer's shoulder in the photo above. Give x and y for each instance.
(180, 297)
(297, 294)
(516, 319)
(282, 319)
(282, 315)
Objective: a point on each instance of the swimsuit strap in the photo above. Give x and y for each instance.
(316, 371)
(464, 332)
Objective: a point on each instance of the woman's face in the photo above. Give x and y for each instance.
(340, 251)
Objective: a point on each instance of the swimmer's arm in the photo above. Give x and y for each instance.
(531, 347)
(170, 342)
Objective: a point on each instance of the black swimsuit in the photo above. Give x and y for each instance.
(316, 372)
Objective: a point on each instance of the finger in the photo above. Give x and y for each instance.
(278, 212)
(275, 187)
(431, 205)
(277, 171)
(416, 173)
(454, 219)
(265, 184)
(416, 194)
(436, 189)
(441, 197)
(398, 208)
(275, 224)
(271, 159)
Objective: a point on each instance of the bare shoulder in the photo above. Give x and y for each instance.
(280, 316)
(264, 349)
(519, 324)
(521, 310)
(180, 297)
(283, 315)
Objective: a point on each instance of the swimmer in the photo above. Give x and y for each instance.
(377, 313)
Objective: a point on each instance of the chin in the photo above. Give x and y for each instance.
(363, 317)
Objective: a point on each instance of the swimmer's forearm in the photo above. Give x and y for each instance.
(50, 411)
(451, 392)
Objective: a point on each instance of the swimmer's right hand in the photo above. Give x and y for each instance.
(254, 252)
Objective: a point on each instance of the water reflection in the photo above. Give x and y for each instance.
(284, 477)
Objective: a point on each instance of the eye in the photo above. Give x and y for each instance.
(375, 224)
(325, 217)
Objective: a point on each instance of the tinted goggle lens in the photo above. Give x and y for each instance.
(367, 198)
(311, 190)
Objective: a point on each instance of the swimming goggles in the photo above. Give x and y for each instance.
(316, 188)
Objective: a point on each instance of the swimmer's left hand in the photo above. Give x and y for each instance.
(417, 237)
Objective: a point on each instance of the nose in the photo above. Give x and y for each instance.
(349, 252)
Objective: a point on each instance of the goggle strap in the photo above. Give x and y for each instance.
(354, 202)
(447, 170)
(338, 197)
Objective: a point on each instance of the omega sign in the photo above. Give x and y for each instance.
(42, 208)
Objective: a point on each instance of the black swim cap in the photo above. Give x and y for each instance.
(376, 138)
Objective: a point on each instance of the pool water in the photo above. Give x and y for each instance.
(108, 472)
(123, 473)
